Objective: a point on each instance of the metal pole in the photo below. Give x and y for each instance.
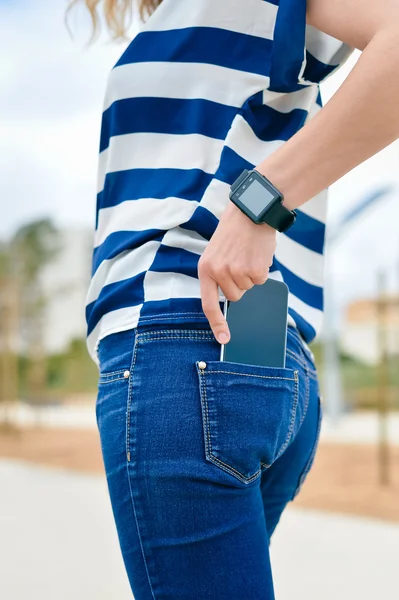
(383, 383)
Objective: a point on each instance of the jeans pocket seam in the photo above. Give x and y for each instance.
(303, 360)
(102, 383)
(208, 443)
(106, 381)
(293, 416)
(176, 334)
(112, 373)
(253, 375)
(209, 453)
(129, 397)
(309, 462)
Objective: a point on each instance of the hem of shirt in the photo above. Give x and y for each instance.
(155, 318)
(151, 319)
(103, 334)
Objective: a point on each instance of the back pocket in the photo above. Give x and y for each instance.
(248, 415)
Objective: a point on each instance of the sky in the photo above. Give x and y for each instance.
(50, 110)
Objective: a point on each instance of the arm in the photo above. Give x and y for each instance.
(360, 119)
(363, 115)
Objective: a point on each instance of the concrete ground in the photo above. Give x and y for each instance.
(357, 427)
(57, 541)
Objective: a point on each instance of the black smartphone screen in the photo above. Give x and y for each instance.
(258, 326)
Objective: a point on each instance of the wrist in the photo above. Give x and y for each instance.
(281, 181)
(233, 210)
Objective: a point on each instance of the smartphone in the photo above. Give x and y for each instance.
(258, 326)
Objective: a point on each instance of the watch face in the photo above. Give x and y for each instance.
(256, 197)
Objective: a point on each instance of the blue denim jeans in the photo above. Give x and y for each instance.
(201, 457)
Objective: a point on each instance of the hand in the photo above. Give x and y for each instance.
(237, 257)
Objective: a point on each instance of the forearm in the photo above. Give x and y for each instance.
(359, 120)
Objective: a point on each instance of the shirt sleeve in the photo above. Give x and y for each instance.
(302, 55)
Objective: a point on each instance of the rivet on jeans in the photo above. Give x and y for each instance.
(126, 374)
(202, 364)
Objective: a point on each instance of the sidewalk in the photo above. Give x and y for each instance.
(58, 541)
(360, 427)
(357, 427)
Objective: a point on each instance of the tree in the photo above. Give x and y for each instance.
(8, 327)
(22, 262)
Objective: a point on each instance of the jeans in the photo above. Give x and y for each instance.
(201, 457)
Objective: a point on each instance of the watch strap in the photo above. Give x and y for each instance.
(279, 217)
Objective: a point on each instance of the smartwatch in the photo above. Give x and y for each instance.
(261, 201)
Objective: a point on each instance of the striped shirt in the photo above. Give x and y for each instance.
(204, 90)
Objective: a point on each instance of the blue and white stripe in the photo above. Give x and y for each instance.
(204, 90)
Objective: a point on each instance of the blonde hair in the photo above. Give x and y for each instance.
(117, 13)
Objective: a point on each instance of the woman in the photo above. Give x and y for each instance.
(202, 456)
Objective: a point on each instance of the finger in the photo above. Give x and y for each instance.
(243, 282)
(259, 279)
(211, 307)
(229, 287)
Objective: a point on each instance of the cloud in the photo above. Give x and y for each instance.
(50, 112)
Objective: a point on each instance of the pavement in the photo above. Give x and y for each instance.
(355, 427)
(58, 541)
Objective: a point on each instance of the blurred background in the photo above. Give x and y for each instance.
(57, 538)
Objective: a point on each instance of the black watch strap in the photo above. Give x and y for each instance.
(279, 217)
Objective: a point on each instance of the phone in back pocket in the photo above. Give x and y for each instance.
(258, 326)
